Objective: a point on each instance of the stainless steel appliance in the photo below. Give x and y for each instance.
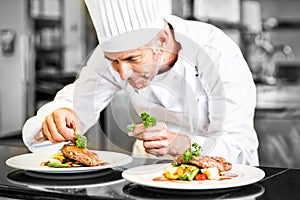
(17, 75)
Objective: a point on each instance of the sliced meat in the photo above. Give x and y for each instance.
(206, 162)
(83, 156)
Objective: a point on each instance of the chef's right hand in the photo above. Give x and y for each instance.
(159, 140)
(60, 125)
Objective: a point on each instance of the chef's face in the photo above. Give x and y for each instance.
(138, 66)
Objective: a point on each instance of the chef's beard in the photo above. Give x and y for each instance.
(141, 81)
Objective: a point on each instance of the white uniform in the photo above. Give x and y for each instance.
(209, 94)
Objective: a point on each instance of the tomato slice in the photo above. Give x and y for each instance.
(200, 177)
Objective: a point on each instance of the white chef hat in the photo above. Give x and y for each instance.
(123, 25)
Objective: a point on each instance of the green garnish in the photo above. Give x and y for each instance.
(174, 164)
(130, 127)
(80, 141)
(58, 165)
(148, 120)
(191, 152)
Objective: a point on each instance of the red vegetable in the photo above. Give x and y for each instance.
(200, 177)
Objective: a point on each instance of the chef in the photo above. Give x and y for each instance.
(189, 75)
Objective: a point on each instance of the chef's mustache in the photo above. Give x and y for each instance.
(130, 73)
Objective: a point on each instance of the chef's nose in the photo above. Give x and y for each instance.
(125, 70)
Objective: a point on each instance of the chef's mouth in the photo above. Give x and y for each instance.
(139, 82)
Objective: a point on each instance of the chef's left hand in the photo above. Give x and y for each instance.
(159, 140)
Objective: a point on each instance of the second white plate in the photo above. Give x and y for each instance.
(144, 175)
(32, 162)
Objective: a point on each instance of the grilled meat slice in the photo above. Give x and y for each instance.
(83, 156)
(206, 162)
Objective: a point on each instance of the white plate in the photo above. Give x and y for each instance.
(144, 175)
(32, 162)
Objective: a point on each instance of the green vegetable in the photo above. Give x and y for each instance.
(58, 165)
(80, 141)
(185, 176)
(190, 174)
(193, 174)
(191, 152)
(148, 120)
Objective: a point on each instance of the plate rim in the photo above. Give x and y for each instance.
(190, 186)
(9, 162)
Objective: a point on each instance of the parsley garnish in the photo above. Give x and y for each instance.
(191, 152)
(148, 120)
(80, 141)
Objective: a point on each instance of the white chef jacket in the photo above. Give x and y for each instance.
(209, 94)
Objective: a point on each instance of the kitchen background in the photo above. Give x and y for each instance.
(43, 44)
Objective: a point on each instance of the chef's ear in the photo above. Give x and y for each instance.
(163, 38)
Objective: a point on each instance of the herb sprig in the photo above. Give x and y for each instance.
(191, 152)
(147, 121)
(80, 141)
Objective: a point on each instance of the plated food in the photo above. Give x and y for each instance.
(72, 156)
(32, 162)
(152, 176)
(199, 168)
(191, 166)
(191, 171)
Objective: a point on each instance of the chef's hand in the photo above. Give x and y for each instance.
(60, 125)
(158, 140)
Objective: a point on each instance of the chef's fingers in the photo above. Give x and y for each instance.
(46, 131)
(40, 137)
(157, 151)
(155, 144)
(159, 126)
(62, 119)
(153, 136)
(140, 129)
(55, 136)
(73, 126)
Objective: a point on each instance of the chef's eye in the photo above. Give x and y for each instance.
(134, 59)
(115, 61)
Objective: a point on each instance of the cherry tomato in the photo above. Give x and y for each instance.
(200, 177)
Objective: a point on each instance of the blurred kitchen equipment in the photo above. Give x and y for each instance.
(251, 15)
(288, 71)
(17, 71)
(276, 23)
(267, 52)
(228, 11)
(7, 41)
